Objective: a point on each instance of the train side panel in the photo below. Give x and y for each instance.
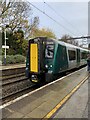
(60, 59)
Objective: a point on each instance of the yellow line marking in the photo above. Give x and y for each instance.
(52, 112)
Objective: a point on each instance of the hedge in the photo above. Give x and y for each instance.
(12, 59)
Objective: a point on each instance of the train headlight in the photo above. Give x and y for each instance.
(46, 66)
(26, 68)
(33, 76)
(51, 66)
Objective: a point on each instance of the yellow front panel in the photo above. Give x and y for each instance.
(34, 58)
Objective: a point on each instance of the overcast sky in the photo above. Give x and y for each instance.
(71, 16)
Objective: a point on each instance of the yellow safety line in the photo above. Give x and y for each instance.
(53, 111)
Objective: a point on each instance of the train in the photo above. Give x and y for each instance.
(47, 57)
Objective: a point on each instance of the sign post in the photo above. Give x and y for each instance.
(5, 47)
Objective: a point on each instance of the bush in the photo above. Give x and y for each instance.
(12, 59)
(19, 58)
(11, 51)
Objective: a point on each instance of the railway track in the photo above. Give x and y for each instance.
(12, 71)
(16, 94)
(10, 81)
(12, 76)
(14, 85)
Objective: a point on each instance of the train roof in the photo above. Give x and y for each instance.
(70, 45)
(63, 43)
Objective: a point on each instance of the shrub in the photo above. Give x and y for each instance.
(12, 59)
(19, 58)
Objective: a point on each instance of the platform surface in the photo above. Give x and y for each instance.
(77, 105)
(42, 101)
(5, 67)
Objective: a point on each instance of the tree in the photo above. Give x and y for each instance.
(18, 15)
(42, 32)
(16, 42)
(68, 39)
(4, 7)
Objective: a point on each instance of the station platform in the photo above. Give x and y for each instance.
(53, 99)
(11, 66)
(76, 106)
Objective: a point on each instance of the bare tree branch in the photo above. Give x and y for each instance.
(18, 14)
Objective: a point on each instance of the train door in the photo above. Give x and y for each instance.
(78, 57)
(60, 60)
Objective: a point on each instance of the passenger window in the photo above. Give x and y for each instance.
(72, 55)
(83, 55)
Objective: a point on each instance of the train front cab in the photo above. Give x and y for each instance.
(40, 56)
(35, 60)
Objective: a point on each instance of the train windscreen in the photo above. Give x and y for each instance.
(49, 52)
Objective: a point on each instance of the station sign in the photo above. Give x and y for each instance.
(3, 46)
